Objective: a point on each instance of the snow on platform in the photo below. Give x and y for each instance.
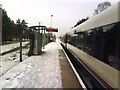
(41, 71)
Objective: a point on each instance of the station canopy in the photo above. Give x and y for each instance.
(39, 27)
(49, 29)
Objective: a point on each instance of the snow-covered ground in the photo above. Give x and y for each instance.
(42, 71)
(9, 60)
(8, 47)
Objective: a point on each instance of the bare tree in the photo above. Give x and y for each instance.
(101, 7)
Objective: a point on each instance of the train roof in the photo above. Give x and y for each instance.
(108, 16)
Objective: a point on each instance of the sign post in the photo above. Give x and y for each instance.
(20, 48)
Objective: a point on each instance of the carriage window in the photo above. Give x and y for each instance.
(102, 43)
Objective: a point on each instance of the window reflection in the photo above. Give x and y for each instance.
(102, 43)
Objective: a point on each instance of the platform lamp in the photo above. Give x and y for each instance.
(51, 27)
(51, 21)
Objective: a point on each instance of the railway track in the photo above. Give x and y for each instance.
(85, 75)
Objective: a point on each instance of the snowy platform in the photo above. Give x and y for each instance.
(41, 71)
(49, 70)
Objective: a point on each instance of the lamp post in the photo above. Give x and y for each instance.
(51, 28)
(51, 21)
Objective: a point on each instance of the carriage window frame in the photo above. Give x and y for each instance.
(91, 43)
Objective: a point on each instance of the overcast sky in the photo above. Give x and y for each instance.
(65, 13)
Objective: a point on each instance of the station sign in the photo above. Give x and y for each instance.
(52, 29)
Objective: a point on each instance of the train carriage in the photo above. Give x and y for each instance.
(96, 42)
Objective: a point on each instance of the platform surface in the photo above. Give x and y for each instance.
(69, 79)
(49, 70)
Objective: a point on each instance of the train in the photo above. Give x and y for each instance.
(96, 43)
